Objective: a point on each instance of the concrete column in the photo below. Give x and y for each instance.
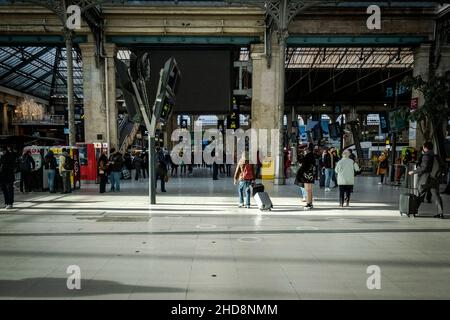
(266, 91)
(421, 68)
(96, 118)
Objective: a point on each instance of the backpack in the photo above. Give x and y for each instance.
(69, 164)
(25, 165)
(247, 172)
(439, 168)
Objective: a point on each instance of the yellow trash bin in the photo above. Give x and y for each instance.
(268, 169)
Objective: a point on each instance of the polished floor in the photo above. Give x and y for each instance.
(195, 243)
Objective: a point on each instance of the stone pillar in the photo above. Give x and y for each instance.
(94, 91)
(266, 91)
(111, 51)
(421, 68)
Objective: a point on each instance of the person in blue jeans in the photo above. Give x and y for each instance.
(329, 160)
(50, 165)
(116, 164)
(244, 176)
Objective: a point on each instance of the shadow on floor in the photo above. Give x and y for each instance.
(57, 287)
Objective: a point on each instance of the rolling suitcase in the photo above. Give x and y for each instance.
(258, 187)
(263, 201)
(409, 204)
(322, 178)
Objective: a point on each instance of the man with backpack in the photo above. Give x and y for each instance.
(115, 164)
(66, 165)
(429, 172)
(244, 175)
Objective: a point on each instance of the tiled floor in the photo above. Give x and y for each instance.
(196, 244)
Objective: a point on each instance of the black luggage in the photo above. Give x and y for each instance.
(258, 187)
(409, 204)
(263, 201)
(322, 178)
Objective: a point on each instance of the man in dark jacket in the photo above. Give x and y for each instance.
(426, 181)
(8, 165)
(116, 164)
(161, 173)
(27, 166)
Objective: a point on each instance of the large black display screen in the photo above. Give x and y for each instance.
(206, 85)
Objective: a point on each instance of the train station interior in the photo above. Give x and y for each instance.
(160, 81)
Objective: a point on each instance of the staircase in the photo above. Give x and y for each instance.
(128, 131)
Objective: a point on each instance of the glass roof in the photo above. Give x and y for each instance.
(39, 71)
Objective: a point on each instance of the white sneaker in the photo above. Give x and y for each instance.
(327, 189)
(241, 205)
(9, 206)
(379, 183)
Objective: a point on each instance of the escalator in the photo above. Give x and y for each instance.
(127, 133)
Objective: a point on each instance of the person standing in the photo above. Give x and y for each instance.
(145, 162)
(298, 177)
(65, 170)
(329, 160)
(428, 183)
(115, 164)
(161, 174)
(345, 170)
(383, 165)
(103, 171)
(322, 169)
(8, 165)
(244, 176)
(428, 194)
(138, 163)
(50, 165)
(306, 174)
(27, 165)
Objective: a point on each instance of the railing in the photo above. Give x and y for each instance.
(128, 141)
(54, 120)
(123, 122)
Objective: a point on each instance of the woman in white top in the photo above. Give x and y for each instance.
(345, 170)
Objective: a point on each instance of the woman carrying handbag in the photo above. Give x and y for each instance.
(305, 175)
